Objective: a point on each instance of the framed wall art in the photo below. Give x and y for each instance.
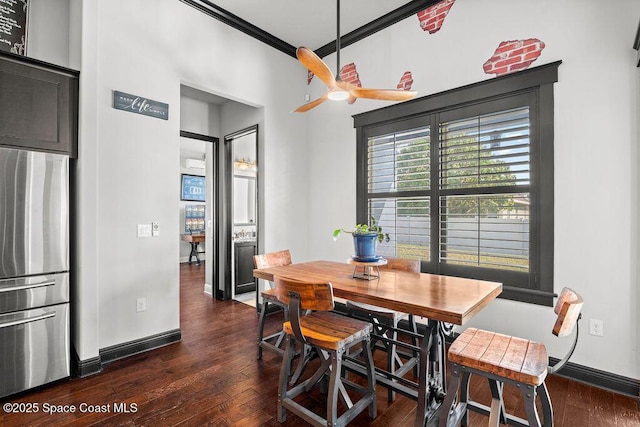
(193, 188)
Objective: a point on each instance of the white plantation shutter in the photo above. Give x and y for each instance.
(490, 150)
(407, 220)
(483, 159)
(399, 173)
(477, 237)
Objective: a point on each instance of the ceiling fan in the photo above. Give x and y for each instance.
(338, 90)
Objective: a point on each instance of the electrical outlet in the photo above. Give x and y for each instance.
(141, 304)
(596, 327)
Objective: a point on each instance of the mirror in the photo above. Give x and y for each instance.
(244, 200)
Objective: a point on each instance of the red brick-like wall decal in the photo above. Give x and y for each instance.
(406, 81)
(349, 74)
(432, 18)
(309, 77)
(513, 55)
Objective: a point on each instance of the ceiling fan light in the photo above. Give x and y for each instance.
(338, 95)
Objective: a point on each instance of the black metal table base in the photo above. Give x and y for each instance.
(430, 390)
(194, 252)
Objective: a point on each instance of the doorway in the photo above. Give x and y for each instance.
(198, 207)
(206, 113)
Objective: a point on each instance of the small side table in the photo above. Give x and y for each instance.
(363, 269)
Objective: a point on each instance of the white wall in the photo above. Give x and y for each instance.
(197, 49)
(85, 336)
(635, 251)
(49, 29)
(596, 137)
(199, 116)
(128, 166)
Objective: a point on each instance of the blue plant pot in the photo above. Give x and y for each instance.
(365, 245)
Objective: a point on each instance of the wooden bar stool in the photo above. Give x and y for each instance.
(385, 323)
(272, 342)
(504, 359)
(331, 335)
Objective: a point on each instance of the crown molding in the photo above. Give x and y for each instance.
(376, 25)
(234, 21)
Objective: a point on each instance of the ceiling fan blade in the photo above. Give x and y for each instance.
(313, 63)
(309, 105)
(383, 94)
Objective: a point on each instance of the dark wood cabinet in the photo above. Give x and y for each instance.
(244, 280)
(38, 105)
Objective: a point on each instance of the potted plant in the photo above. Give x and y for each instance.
(365, 239)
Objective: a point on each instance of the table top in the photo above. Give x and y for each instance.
(444, 298)
(194, 238)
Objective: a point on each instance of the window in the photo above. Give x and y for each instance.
(467, 187)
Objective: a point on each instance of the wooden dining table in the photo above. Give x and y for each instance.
(440, 299)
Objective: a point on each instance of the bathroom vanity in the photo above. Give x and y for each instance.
(244, 252)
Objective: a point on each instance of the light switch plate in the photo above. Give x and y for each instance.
(155, 228)
(144, 230)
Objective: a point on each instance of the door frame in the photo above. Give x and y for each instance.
(226, 183)
(214, 211)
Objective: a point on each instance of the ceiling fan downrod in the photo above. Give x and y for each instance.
(338, 39)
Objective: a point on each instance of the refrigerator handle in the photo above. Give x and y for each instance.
(28, 286)
(27, 320)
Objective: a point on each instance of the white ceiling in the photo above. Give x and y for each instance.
(309, 23)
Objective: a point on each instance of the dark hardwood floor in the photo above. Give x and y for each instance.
(212, 378)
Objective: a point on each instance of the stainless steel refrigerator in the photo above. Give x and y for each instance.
(34, 269)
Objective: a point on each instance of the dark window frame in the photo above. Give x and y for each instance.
(537, 84)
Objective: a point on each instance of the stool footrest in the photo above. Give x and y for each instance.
(400, 384)
(276, 347)
(512, 420)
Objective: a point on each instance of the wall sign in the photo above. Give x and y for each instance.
(140, 105)
(13, 26)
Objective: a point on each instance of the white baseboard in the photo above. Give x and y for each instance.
(208, 289)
